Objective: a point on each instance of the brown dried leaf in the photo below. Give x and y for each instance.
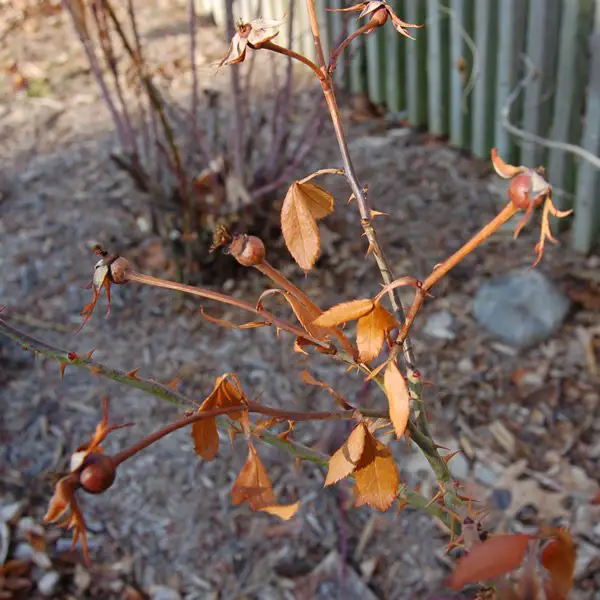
(304, 315)
(345, 460)
(344, 312)
(253, 484)
(558, 558)
(227, 391)
(503, 169)
(318, 201)
(283, 511)
(398, 396)
(300, 230)
(493, 558)
(204, 432)
(377, 478)
(371, 331)
(304, 203)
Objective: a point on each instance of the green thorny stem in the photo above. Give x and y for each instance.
(167, 393)
(419, 429)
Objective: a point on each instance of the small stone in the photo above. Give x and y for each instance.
(459, 466)
(82, 578)
(485, 474)
(29, 277)
(586, 553)
(162, 592)
(501, 498)
(521, 308)
(143, 224)
(23, 551)
(48, 583)
(29, 525)
(440, 325)
(8, 512)
(465, 366)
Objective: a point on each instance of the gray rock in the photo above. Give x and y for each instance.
(485, 474)
(161, 592)
(47, 584)
(440, 325)
(522, 308)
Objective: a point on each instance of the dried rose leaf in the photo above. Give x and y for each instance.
(204, 432)
(283, 511)
(503, 169)
(558, 558)
(304, 203)
(227, 391)
(493, 558)
(377, 478)
(398, 396)
(344, 312)
(304, 315)
(345, 460)
(318, 201)
(371, 330)
(253, 484)
(300, 230)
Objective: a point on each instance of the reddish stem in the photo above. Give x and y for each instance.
(366, 28)
(253, 407)
(211, 295)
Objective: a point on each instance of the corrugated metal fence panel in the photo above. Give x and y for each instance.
(587, 209)
(466, 65)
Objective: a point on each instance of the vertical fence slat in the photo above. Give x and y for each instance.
(457, 12)
(540, 52)
(416, 74)
(436, 69)
(483, 100)
(355, 57)
(336, 21)
(568, 100)
(322, 20)
(587, 211)
(508, 57)
(375, 46)
(394, 80)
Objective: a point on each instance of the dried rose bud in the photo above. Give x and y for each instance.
(248, 250)
(98, 473)
(119, 270)
(379, 17)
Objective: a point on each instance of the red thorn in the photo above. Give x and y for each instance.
(89, 354)
(438, 447)
(62, 367)
(133, 373)
(450, 456)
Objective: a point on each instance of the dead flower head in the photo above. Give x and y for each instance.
(253, 34)
(90, 470)
(108, 270)
(528, 189)
(379, 11)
